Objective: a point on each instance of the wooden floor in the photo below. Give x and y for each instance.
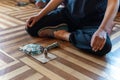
(71, 63)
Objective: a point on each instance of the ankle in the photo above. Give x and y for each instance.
(62, 34)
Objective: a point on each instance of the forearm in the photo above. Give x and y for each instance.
(111, 11)
(49, 7)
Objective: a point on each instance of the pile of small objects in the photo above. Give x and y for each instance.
(32, 49)
(35, 49)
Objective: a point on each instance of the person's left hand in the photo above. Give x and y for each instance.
(98, 40)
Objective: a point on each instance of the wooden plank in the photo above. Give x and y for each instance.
(41, 69)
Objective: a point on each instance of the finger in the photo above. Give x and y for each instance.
(92, 41)
(27, 25)
(28, 22)
(94, 44)
(31, 23)
(96, 49)
(99, 44)
(102, 44)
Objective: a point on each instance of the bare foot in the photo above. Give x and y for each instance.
(62, 34)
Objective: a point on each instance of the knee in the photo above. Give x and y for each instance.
(106, 49)
(31, 32)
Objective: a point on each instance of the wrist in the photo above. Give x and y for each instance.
(101, 29)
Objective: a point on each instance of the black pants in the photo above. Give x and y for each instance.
(80, 34)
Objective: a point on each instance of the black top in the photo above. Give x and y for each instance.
(86, 9)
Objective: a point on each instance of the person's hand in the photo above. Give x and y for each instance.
(31, 21)
(98, 40)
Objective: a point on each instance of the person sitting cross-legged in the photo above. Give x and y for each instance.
(84, 23)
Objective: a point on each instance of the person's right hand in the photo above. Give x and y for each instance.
(31, 21)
